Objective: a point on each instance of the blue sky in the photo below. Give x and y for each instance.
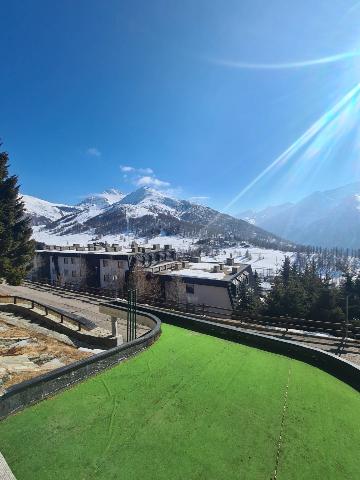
(195, 97)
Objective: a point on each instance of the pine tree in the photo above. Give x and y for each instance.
(16, 246)
(327, 308)
(286, 270)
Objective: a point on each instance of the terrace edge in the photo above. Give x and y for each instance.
(34, 390)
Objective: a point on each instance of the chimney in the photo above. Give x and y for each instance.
(230, 261)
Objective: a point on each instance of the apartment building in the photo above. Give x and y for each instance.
(96, 265)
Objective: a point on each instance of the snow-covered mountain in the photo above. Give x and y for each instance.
(43, 212)
(330, 218)
(148, 212)
(97, 204)
(104, 199)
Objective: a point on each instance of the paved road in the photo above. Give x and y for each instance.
(84, 305)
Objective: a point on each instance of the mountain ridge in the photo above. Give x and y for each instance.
(148, 212)
(329, 218)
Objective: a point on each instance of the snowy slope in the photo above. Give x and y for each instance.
(96, 204)
(102, 200)
(330, 218)
(42, 212)
(88, 208)
(145, 213)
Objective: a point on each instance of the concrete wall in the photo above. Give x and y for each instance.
(32, 391)
(217, 296)
(112, 273)
(68, 269)
(83, 335)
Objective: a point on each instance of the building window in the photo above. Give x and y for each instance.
(190, 288)
(72, 260)
(66, 260)
(105, 263)
(73, 273)
(120, 264)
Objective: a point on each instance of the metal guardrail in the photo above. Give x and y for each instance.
(73, 319)
(336, 329)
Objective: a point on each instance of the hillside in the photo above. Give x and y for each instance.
(330, 218)
(146, 213)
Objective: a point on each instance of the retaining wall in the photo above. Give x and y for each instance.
(90, 340)
(31, 391)
(330, 363)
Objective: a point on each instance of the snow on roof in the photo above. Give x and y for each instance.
(189, 272)
(123, 251)
(203, 270)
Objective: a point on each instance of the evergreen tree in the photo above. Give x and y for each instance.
(256, 284)
(327, 308)
(249, 299)
(286, 270)
(16, 247)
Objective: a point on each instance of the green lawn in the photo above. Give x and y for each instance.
(191, 407)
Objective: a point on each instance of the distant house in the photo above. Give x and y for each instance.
(210, 284)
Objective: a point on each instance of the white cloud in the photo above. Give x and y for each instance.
(145, 171)
(141, 171)
(142, 177)
(93, 151)
(147, 181)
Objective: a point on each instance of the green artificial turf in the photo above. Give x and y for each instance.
(191, 407)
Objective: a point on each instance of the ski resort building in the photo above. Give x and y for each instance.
(213, 285)
(96, 266)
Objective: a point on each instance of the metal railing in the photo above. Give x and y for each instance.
(225, 315)
(45, 310)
